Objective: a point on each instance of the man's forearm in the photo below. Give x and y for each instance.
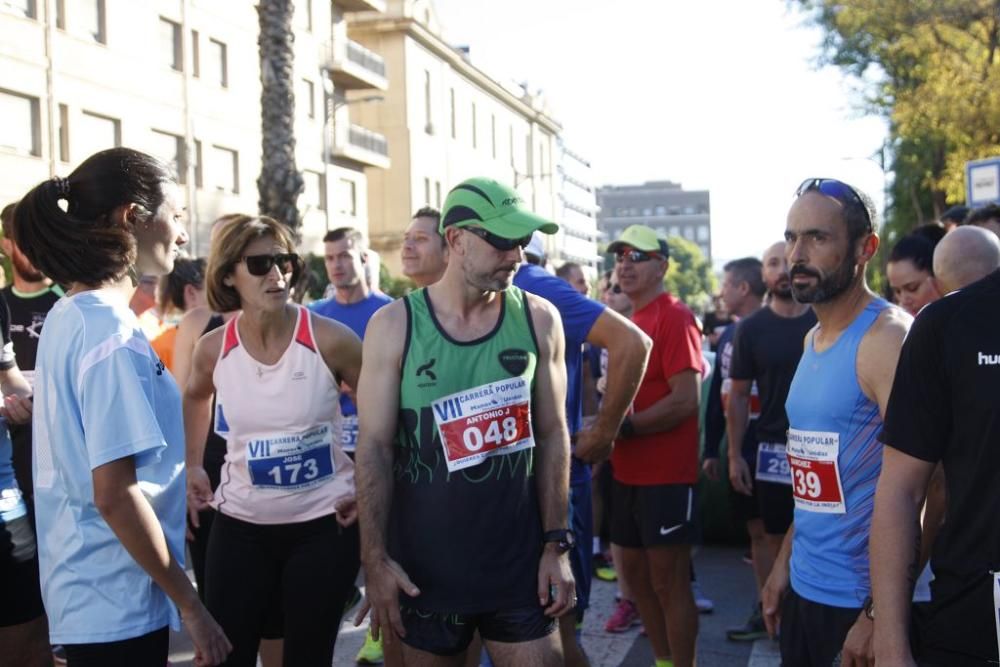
(665, 415)
(895, 548)
(736, 423)
(552, 480)
(626, 365)
(934, 512)
(373, 478)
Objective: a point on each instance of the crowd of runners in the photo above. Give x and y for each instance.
(474, 453)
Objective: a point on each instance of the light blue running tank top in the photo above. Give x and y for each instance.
(832, 429)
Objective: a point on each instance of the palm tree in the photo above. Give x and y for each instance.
(280, 181)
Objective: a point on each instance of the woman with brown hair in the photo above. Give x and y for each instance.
(109, 482)
(285, 523)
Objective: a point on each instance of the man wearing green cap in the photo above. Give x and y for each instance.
(463, 454)
(655, 459)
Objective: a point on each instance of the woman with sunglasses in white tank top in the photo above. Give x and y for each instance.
(285, 530)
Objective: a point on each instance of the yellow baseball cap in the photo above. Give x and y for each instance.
(642, 238)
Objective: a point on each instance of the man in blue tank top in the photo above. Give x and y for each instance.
(819, 584)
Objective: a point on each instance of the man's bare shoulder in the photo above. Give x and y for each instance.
(888, 331)
(386, 330)
(542, 311)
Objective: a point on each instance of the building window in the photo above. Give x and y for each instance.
(170, 148)
(218, 62)
(703, 233)
(541, 161)
(646, 212)
(511, 147)
(689, 233)
(308, 7)
(437, 194)
(94, 21)
(199, 170)
(21, 128)
(63, 133)
(96, 132)
(427, 192)
(429, 126)
(309, 97)
(195, 54)
(454, 120)
(60, 13)
(493, 135)
(170, 44)
(475, 141)
(25, 8)
(347, 195)
(661, 210)
(226, 170)
(675, 231)
(315, 192)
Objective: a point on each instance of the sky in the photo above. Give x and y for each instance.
(724, 95)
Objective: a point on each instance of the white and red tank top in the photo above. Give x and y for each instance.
(281, 422)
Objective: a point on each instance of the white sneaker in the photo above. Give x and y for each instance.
(701, 601)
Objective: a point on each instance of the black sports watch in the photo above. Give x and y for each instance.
(564, 539)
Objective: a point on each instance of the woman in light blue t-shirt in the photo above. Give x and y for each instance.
(108, 433)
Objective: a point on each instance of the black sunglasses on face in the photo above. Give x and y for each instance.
(500, 243)
(261, 265)
(634, 256)
(839, 190)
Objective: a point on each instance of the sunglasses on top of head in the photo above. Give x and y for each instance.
(261, 265)
(635, 256)
(499, 242)
(831, 187)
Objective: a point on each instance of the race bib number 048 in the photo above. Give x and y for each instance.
(291, 461)
(490, 420)
(812, 457)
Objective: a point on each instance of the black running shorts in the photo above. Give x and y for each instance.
(649, 516)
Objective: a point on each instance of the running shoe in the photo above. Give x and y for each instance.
(604, 569)
(624, 617)
(750, 631)
(704, 603)
(58, 655)
(371, 651)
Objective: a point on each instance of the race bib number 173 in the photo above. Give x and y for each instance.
(813, 460)
(486, 421)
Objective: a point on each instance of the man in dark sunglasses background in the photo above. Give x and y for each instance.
(655, 459)
(463, 457)
(835, 406)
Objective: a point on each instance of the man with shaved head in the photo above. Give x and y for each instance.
(968, 254)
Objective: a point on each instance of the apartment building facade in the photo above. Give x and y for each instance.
(446, 120)
(663, 205)
(180, 79)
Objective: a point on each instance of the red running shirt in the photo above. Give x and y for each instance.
(668, 457)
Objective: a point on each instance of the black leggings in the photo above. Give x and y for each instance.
(310, 565)
(149, 650)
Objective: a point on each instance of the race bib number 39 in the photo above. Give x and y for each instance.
(812, 458)
(291, 461)
(489, 420)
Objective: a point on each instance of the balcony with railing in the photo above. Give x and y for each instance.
(360, 145)
(354, 67)
(361, 5)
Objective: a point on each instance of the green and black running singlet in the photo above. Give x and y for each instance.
(465, 522)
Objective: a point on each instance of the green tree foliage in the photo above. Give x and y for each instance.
(932, 68)
(689, 277)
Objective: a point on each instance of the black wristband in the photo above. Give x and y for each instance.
(627, 429)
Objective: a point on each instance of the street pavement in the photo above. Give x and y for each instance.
(723, 577)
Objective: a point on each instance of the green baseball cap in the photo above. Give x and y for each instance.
(642, 238)
(495, 207)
